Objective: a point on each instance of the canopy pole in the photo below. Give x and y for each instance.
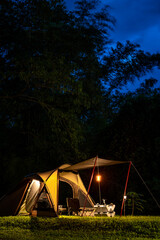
(89, 185)
(125, 187)
(99, 188)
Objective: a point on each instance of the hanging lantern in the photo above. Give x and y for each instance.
(125, 197)
(98, 178)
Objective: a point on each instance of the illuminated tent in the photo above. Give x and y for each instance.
(38, 194)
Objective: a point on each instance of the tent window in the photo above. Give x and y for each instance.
(82, 198)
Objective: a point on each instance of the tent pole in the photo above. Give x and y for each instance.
(89, 185)
(125, 188)
(99, 188)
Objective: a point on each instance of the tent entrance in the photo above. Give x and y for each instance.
(43, 206)
(43, 202)
(65, 191)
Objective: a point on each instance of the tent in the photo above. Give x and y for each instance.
(38, 194)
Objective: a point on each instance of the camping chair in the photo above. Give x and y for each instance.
(73, 205)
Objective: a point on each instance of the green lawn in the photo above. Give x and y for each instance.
(75, 228)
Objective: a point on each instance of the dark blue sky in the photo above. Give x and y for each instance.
(137, 21)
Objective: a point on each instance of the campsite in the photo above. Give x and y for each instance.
(38, 193)
(36, 202)
(79, 122)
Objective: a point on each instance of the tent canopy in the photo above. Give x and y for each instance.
(90, 164)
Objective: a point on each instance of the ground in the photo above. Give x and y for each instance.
(75, 228)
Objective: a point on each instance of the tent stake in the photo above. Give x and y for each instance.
(125, 188)
(89, 185)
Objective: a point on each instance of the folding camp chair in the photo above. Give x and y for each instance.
(73, 206)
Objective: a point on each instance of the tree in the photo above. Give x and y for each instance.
(133, 135)
(50, 82)
(126, 62)
(135, 202)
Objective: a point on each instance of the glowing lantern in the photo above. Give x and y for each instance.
(98, 178)
(125, 197)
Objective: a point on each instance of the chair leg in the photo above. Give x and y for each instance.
(69, 211)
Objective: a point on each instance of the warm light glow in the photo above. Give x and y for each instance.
(36, 182)
(125, 197)
(98, 178)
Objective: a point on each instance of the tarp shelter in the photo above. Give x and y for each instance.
(38, 194)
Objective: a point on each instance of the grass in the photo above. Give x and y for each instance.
(75, 228)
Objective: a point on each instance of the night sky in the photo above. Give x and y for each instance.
(137, 21)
